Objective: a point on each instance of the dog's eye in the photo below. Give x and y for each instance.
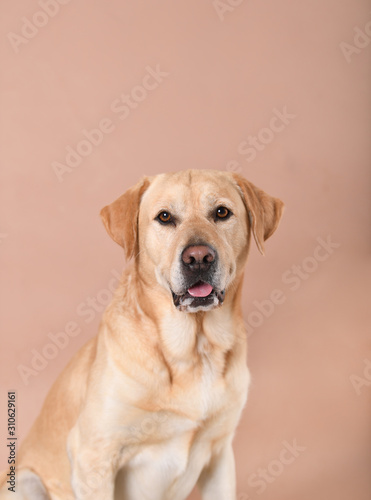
(222, 213)
(164, 217)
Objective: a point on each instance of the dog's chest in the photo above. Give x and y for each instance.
(198, 378)
(190, 401)
(196, 391)
(174, 443)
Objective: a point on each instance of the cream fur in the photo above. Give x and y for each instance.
(148, 408)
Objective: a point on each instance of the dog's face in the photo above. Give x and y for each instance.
(191, 230)
(193, 226)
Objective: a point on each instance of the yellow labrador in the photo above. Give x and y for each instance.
(148, 408)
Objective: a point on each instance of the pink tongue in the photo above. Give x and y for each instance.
(200, 290)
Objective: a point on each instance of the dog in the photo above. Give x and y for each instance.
(148, 408)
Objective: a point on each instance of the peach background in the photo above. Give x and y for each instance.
(225, 78)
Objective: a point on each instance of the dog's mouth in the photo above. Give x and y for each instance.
(200, 296)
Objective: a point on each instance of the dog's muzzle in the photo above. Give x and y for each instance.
(199, 263)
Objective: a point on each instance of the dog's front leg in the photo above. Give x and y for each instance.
(218, 479)
(93, 467)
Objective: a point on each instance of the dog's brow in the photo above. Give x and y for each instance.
(173, 206)
(215, 199)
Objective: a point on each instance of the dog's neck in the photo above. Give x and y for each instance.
(183, 338)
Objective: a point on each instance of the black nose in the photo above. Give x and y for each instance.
(198, 257)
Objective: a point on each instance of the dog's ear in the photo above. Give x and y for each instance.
(264, 211)
(121, 218)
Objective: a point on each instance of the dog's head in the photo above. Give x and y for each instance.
(191, 231)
